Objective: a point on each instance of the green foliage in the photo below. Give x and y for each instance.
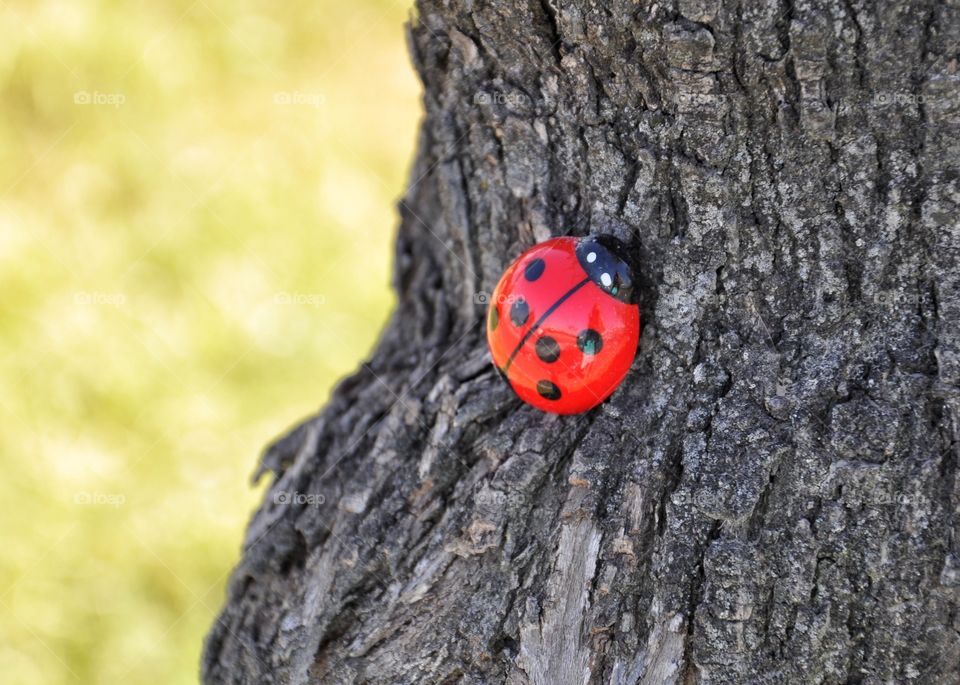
(195, 233)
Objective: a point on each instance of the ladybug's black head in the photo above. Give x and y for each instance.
(606, 261)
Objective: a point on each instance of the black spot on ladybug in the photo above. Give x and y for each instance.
(548, 349)
(548, 390)
(519, 312)
(494, 318)
(534, 269)
(589, 341)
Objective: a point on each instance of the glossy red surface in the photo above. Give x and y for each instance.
(562, 303)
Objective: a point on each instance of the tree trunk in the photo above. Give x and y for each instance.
(772, 495)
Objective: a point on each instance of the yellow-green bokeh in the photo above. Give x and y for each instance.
(196, 218)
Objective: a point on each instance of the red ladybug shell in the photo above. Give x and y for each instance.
(562, 326)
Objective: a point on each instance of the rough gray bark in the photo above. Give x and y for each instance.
(772, 495)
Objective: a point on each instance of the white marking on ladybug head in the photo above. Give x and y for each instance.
(606, 280)
(592, 257)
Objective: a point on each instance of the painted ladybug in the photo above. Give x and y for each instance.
(563, 324)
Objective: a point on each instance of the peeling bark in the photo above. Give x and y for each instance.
(772, 495)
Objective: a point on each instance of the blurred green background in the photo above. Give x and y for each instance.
(196, 222)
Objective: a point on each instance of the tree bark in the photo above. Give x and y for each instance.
(772, 495)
